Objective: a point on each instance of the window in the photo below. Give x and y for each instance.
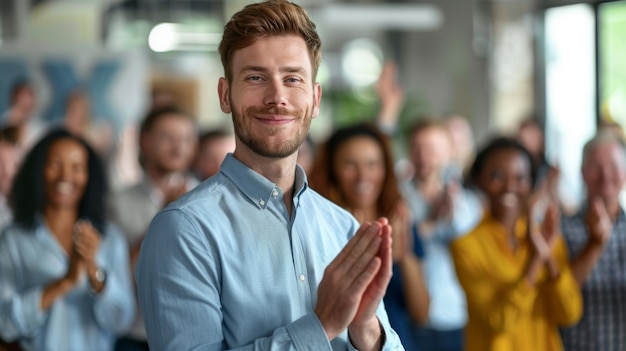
(570, 85)
(612, 54)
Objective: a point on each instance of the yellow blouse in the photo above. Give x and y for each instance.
(505, 312)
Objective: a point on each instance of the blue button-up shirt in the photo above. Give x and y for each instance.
(226, 267)
(80, 320)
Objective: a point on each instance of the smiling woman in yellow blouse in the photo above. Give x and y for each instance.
(514, 271)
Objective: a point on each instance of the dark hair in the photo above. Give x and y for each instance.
(265, 19)
(498, 144)
(153, 117)
(27, 197)
(324, 179)
(10, 134)
(213, 134)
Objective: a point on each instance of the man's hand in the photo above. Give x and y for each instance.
(365, 330)
(356, 280)
(391, 96)
(598, 223)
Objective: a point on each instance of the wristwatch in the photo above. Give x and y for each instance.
(100, 275)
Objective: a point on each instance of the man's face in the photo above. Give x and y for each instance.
(430, 151)
(272, 96)
(604, 171)
(171, 143)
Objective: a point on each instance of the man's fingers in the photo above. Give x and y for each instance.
(364, 234)
(365, 275)
(359, 259)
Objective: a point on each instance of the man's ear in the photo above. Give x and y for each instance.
(223, 89)
(317, 98)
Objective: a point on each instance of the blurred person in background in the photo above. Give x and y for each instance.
(21, 115)
(530, 133)
(9, 163)
(306, 154)
(168, 139)
(213, 146)
(514, 265)
(462, 137)
(354, 169)
(596, 237)
(64, 279)
(443, 210)
(78, 120)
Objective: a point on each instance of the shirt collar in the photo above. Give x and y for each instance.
(257, 188)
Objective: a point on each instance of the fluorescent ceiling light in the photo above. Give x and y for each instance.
(178, 37)
(383, 16)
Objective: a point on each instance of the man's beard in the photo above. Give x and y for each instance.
(261, 146)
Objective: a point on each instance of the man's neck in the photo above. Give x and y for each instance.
(280, 171)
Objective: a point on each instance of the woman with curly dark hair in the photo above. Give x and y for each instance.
(354, 169)
(64, 278)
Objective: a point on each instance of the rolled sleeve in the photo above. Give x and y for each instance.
(20, 312)
(307, 333)
(21, 315)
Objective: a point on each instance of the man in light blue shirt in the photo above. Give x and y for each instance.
(444, 211)
(252, 258)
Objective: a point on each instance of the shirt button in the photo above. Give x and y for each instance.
(275, 193)
(302, 277)
(262, 203)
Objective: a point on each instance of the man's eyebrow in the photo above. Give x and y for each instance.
(286, 69)
(293, 69)
(253, 68)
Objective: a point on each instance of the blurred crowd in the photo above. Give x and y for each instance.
(486, 256)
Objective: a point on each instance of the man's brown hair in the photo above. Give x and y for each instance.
(266, 19)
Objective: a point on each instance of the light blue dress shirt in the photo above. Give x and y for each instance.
(224, 267)
(81, 320)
